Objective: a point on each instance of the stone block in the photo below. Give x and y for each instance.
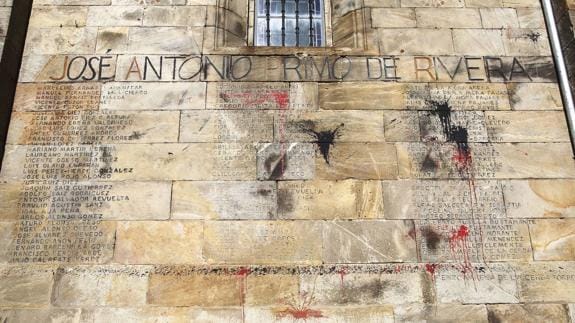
(262, 242)
(93, 127)
(553, 239)
(497, 18)
(478, 284)
(285, 161)
(26, 286)
(546, 282)
(535, 96)
(368, 242)
(153, 96)
(356, 289)
(393, 18)
(159, 242)
(224, 200)
(100, 286)
(227, 126)
(112, 40)
(348, 199)
(418, 41)
(193, 16)
(448, 18)
(65, 40)
(526, 126)
(357, 161)
(482, 42)
(328, 127)
(540, 198)
(365, 96)
(68, 16)
(401, 126)
(447, 200)
(165, 40)
(115, 16)
(528, 313)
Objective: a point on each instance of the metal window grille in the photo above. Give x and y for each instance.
(289, 23)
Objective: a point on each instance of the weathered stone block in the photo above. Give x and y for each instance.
(418, 41)
(224, 200)
(100, 286)
(28, 286)
(153, 96)
(526, 126)
(357, 161)
(546, 282)
(262, 242)
(167, 242)
(447, 18)
(368, 242)
(553, 239)
(227, 126)
(478, 42)
(285, 161)
(528, 313)
(535, 96)
(349, 199)
(540, 198)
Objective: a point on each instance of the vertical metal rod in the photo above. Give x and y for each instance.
(310, 8)
(268, 33)
(283, 22)
(297, 22)
(561, 69)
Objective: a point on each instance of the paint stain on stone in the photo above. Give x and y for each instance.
(453, 133)
(275, 165)
(492, 317)
(285, 201)
(533, 36)
(432, 238)
(299, 314)
(324, 139)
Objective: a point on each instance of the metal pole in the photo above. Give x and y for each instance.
(563, 78)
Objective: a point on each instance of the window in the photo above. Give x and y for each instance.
(289, 23)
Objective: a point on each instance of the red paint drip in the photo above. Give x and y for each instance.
(299, 314)
(431, 269)
(281, 98)
(458, 243)
(463, 160)
(242, 275)
(342, 272)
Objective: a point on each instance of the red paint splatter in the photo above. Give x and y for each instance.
(458, 244)
(463, 161)
(243, 272)
(431, 269)
(281, 98)
(299, 314)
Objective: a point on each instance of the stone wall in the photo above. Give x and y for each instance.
(158, 168)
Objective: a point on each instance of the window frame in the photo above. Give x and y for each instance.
(325, 32)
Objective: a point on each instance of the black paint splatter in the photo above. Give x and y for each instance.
(275, 165)
(453, 133)
(533, 36)
(323, 139)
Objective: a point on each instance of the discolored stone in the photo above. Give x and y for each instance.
(553, 239)
(156, 242)
(224, 200)
(528, 313)
(368, 242)
(262, 242)
(321, 199)
(540, 198)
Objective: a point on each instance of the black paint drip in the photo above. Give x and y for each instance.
(457, 134)
(324, 139)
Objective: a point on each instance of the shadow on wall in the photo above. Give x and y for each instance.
(10, 63)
